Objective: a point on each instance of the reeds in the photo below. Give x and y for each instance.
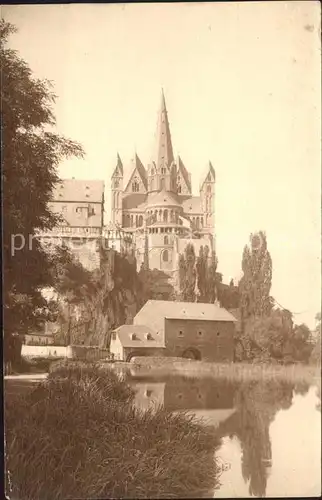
(78, 435)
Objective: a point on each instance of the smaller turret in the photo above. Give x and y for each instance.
(116, 192)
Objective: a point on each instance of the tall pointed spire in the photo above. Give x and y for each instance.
(164, 144)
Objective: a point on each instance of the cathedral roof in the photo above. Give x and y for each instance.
(135, 164)
(192, 205)
(164, 145)
(163, 199)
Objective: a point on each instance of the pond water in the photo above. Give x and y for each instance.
(269, 432)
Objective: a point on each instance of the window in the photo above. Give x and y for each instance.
(133, 336)
(162, 183)
(163, 170)
(180, 334)
(166, 240)
(208, 189)
(165, 256)
(218, 333)
(113, 336)
(179, 188)
(116, 183)
(148, 336)
(200, 333)
(135, 185)
(148, 393)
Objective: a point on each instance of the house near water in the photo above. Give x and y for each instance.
(177, 329)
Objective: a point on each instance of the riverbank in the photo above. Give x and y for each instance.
(78, 435)
(233, 371)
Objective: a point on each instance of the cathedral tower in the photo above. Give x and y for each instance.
(207, 195)
(162, 174)
(117, 192)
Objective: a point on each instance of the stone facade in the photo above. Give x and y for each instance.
(156, 205)
(206, 340)
(177, 329)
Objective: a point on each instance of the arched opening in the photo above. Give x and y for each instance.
(166, 240)
(208, 189)
(165, 216)
(116, 183)
(135, 186)
(165, 255)
(128, 221)
(137, 220)
(131, 224)
(192, 353)
(135, 354)
(162, 183)
(140, 221)
(179, 188)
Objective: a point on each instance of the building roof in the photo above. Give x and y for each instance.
(192, 205)
(86, 191)
(124, 333)
(164, 146)
(134, 201)
(209, 169)
(135, 164)
(155, 311)
(163, 199)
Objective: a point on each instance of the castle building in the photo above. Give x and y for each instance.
(80, 203)
(156, 205)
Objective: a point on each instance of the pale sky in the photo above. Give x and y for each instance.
(242, 84)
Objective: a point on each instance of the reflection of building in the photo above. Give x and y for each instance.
(38, 339)
(180, 329)
(212, 401)
(156, 204)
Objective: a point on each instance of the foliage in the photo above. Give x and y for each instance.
(78, 436)
(256, 282)
(155, 285)
(276, 338)
(31, 153)
(187, 274)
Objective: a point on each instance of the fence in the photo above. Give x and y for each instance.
(88, 353)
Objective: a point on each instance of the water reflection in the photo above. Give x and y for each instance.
(239, 412)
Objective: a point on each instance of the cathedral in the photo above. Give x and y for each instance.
(156, 206)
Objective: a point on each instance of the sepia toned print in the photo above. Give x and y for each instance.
(161, 244)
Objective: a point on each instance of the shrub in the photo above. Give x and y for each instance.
(79, 436)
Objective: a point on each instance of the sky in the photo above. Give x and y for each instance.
(242, 84)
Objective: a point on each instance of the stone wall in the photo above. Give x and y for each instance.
(212, 339)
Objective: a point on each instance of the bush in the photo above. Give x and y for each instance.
(79, 436)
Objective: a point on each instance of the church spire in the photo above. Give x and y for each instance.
(164, 145)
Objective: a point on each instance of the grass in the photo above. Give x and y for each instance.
(78, 435)
(233, 371)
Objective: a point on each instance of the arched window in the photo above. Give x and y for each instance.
(166, 240)
(208, 189)
(128, 221)
(116, 183)
(165, 216)
(135, 185)
(163, 171)
(140, 221)
(137, 220)
(165, 256)
(179, 188)
(162, 183)
(131, 221)
(198, 223)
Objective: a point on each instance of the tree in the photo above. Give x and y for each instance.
(31, 152)
(187, 274)
(255, 285)
(201, 268)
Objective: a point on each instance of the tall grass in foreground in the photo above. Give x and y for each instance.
(240, 372)
(78, 436)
